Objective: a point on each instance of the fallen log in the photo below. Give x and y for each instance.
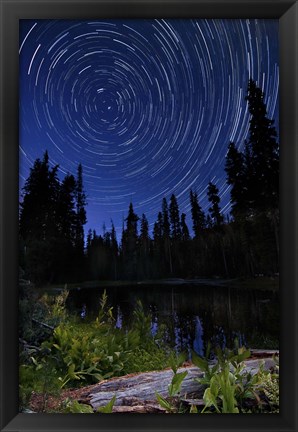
(140, 409)
(139, 390)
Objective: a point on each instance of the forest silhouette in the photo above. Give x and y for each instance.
(54, 249)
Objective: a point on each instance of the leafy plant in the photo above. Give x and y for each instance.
(270, 386)
(108, 408)
(209, 369)
(170, 404)
(175, 386)
(223, 387)
(78, 408)
(142, 322)
(229, 385)
(58, 308)
(165, 403)
(105, 313)
(75, 407)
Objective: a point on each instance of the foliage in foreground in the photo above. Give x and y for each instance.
(229, 388)
(79, 353)
(74, 407)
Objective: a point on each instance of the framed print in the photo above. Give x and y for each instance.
(148, 215)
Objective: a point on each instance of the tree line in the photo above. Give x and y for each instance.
(51, 223)
(52, 216)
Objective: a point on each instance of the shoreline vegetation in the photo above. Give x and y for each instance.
(72, 367)
(136, 392)
(63, 358)
(270, 283)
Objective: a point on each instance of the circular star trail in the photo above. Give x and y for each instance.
(147, 106)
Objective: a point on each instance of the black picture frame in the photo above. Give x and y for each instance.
(11, 11)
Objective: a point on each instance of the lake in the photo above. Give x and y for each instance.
(192, 314)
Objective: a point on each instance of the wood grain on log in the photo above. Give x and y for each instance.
(140, 389)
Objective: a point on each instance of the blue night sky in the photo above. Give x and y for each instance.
(147, 106)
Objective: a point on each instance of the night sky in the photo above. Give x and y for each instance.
(147, 106)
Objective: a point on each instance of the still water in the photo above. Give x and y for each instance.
(192, 314)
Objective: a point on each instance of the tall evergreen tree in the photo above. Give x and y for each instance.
(197, 214)
(158, 229)
(114, 243)
(254, 174)
(214, 210)
(89, 241)
(184, 228)
(166, 244)
(114, 250)
(39, 222)
(38, 211)
(66, 209)
(144, 247)
(165, 219)
(66, 219)
(144, 232)
(236, 177)
(132, 222)
(264, 151)
(80, 212)
(130, 243)
(174, 218)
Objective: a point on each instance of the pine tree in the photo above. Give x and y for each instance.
(165, 219)
(144, 232)
(144, 246)
(197, 214)
(254, 174)
(264, 151)
(114, 250)
(66, 209)
(130, 243)
(132, 222)
(184, 228)
(114, 243)
(80, 212)
(39, 221)
(38, 214)
(214, 210)
(166, 244)
(158, 229)
(89, 241)
(174, 218)
(237, 178)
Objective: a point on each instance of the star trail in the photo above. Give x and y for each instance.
(147, 106)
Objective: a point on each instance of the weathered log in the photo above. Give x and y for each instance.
(263, 353)
(140, 389)
(140, 409)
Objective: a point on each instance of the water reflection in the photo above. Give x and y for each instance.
(198, 344)
(83, 311)
(119, 318)
(191, 315)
